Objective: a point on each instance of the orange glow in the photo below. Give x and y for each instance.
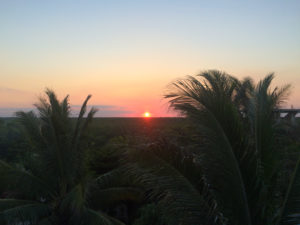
(147, 114)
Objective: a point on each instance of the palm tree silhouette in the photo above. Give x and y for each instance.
(56, 187)
(236, 150)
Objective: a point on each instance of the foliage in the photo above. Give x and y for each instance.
(236, 148)
(241, 167)
(55, 186)
(13, 146)
(229, 160)
(150, 212)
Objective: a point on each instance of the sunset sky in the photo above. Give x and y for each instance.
(126, 52)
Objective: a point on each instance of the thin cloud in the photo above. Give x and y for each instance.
(97, 106)
(10, 112)
(103, 110)
(12, 90)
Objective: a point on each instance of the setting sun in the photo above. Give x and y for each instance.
(147, 114)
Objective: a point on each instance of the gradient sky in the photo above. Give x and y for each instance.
(125, 53)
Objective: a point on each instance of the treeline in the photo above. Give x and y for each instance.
(230, 161)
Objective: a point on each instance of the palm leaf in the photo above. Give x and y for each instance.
(209, 104)
(92, 217)
(262, 120)
(11, 203)
(79, 121)
(25, 213)
(178, 198)
(102, 198)
(113, 178)
(74, 201)
(11, 179)
(291, 205)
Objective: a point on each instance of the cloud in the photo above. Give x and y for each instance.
(103, 110)
(10, 112)
(12, 91)
(96, 106)
(12, 101)
(10, 97)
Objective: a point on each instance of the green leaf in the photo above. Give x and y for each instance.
(25, 213)
(291, 204)
(11, 179)
(101, 198)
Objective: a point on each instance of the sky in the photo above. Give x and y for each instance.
(125, 53)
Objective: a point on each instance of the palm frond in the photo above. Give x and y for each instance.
(32, 126)
(65, 106)
(102, 198)
(209, 104)
(280, 95)
(11, 179)
(74, 201)
(59, 177)
(243, 93)
(179, 199)
(113, 178)
(45, 221)
(80, 120)
(92, 217)
(247, 161)
(25, 213)
(11, 203)
(290, 208)
(89, 118)
(262, 117)
(150, 212)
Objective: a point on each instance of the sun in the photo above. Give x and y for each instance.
(147, 114)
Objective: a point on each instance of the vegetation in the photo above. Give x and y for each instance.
(54, 186)
(230, 160)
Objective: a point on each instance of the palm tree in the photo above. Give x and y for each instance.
(240, 158)
(236, 149)
(170, 176)
(56, 186)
